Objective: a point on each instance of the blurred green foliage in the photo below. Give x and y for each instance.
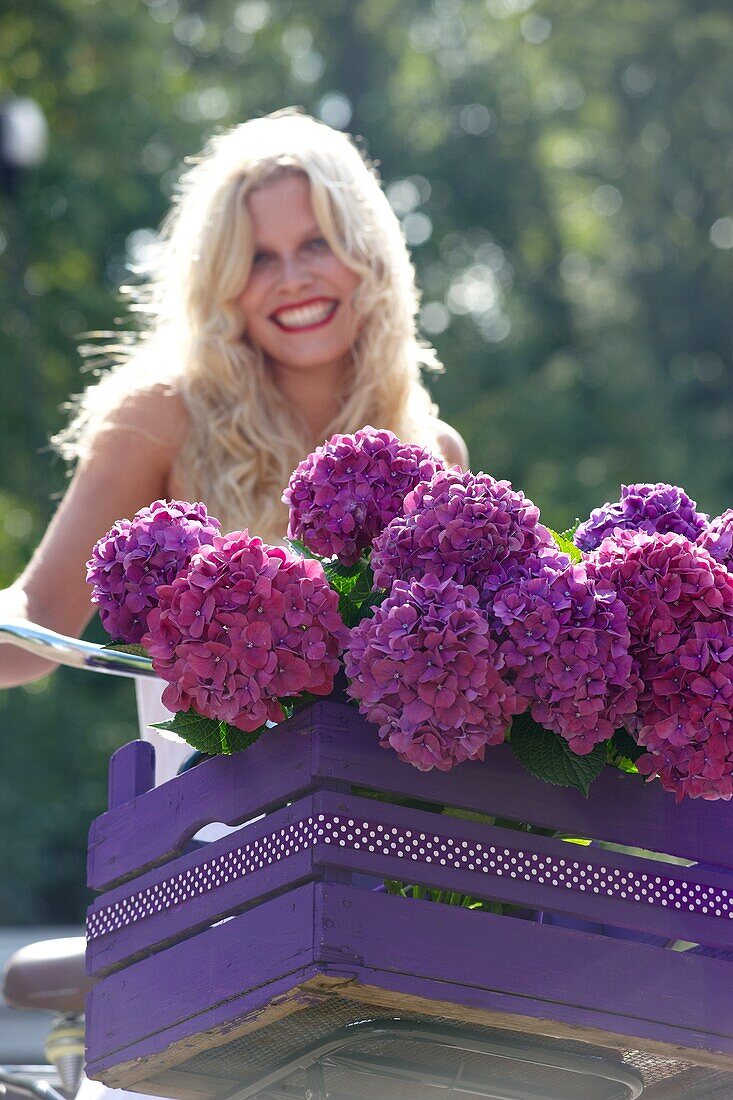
(563, 171)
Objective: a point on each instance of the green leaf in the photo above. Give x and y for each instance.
(441, 897)
(363, 589)
(128, 647)
(376, 600)
(291, 703)
(469, 815)
(548, 756)
(567, 546)
(353, 612)
(345, 577)
(355, 586)
(209, 735)
(569, 532)
(396, 799)
(623, 752)
(625, 745)
(301, 548)
(349, 612)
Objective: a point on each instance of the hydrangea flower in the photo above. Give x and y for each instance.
(136, 556)
(680, 604)
(466, 527)
(344, 493)
(717, 538)
(245, 624)
(687, 761)
(568, 641)
(656, 508)
(427, 672)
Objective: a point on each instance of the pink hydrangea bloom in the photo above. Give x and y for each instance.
(568, 641)
(245, 624)
(467, 527)
(347, 491)
(717, 538)
(427, 672)
(136, 556)
(680, 604)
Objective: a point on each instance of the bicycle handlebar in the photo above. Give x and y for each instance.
(71, 651)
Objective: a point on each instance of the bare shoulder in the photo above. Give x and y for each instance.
(155, 413)
(452, 445)
(126, 465)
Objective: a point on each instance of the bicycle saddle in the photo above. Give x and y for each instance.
(48, 975)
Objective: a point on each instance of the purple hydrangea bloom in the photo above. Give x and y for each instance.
(466, 527)
(717, 538)
(136, 556)
(245, 624)
(656, 508)
(427, 672)
(347, 491)
(680, 604)
(568, 641)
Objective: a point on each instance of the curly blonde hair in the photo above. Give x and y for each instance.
(244, 438)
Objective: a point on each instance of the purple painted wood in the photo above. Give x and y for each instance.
(683, 1042)
(620, 903)
(621, 808)
(229, 789)
(170, 973)
(237, 957)
(219, 1015)
(131, 772)
(196, 889)
(452, 950)
(330, 741)
(348, 834)
(483, 961)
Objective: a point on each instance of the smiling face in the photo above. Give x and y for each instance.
(297, 301)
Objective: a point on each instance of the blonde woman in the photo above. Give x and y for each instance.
(282, 309)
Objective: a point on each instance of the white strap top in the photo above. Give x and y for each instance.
(170, 750)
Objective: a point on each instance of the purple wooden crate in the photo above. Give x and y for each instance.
(205, 954)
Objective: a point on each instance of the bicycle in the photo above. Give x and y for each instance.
(50, 975)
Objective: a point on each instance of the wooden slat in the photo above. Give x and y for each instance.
(190, 915)
(185, 989)
(667, 922)
(621, 808)
(131, 772)
(480, 960)
(229, 789)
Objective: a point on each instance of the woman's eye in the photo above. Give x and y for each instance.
(317, 244)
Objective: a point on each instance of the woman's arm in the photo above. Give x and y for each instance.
(128, 466)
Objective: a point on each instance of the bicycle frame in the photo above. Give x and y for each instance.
(30, 1086)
